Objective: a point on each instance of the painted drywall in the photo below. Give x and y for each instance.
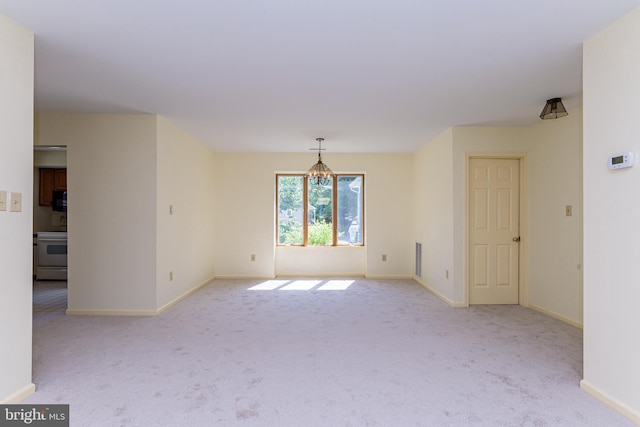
(16, 175)
(245, 215)
(185, 212)
(555, 240)
(433, 212)
(336, 261)
(111, 181)
(552, 243)
(50, 159)
(388, 220)
(611, 212)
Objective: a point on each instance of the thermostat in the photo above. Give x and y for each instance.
(624, 160)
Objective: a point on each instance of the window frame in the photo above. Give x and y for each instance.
(305, 210)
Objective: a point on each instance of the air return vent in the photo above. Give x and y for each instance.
(418, 259)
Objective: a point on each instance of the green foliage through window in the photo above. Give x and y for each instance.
(320, 228)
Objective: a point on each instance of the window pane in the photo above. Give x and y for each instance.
(350, 210)
(290, 210)
(320, 214)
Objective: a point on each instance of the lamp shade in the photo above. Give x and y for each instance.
(319, 173)
(553, 109)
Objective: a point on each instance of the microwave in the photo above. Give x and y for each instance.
(59, 201)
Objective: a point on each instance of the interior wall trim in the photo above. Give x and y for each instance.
(610, 401)
(107, 312)
(20, 395)
(184, 295)
(439, 295)
(555, 315)
(322, 275)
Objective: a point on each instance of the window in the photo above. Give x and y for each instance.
(320, 215)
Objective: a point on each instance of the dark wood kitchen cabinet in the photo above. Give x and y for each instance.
(51, 179)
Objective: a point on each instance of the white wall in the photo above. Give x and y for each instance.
(552, 243)
(245, 216)
(389, 216)
(611, 213)
(321, 261)
(16, 175)
(409, 198)
(185, 240)
(111, 181)
(555, 240)
(50, 159)
(433, 212)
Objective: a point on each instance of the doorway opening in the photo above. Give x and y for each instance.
(50, 240)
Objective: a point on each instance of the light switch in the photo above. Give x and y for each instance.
(3, 200)
(568, 210)
(16, 202)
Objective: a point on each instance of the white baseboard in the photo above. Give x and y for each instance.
(184, 295)
(612, 402)
(323, 275)
(556, 315)
(72, 312)
(20, 395)
(439, 295)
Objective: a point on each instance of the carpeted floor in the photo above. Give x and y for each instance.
(49, 297)
(315, 353)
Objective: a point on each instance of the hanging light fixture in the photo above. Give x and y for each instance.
(320, 174)
(553, 109)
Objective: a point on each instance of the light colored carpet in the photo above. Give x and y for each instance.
(304, 353)
(49, 297)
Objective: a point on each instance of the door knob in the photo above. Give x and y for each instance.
(516, 239)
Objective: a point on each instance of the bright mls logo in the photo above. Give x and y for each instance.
(34, 415)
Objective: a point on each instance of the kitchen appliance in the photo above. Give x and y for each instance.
(59, 201)
(52, 255)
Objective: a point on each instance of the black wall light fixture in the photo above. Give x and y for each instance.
(553, 109)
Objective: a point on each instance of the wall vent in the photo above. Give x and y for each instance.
(418, 259)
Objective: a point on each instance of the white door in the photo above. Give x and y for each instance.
(494, 212)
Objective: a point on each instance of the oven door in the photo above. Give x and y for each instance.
(52, 252)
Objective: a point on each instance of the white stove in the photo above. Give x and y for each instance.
(51, 255)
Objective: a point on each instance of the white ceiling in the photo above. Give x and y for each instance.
(368, 75)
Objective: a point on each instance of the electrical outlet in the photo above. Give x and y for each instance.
(253, 257)
(171, 276)
(384, 257)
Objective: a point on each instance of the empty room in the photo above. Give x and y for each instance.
(321, 213)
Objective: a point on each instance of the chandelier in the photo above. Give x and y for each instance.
(320, 174)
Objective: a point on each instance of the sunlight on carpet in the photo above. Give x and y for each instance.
(302, 285)
(323, 352)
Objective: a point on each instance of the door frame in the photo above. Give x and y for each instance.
(523, 250)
